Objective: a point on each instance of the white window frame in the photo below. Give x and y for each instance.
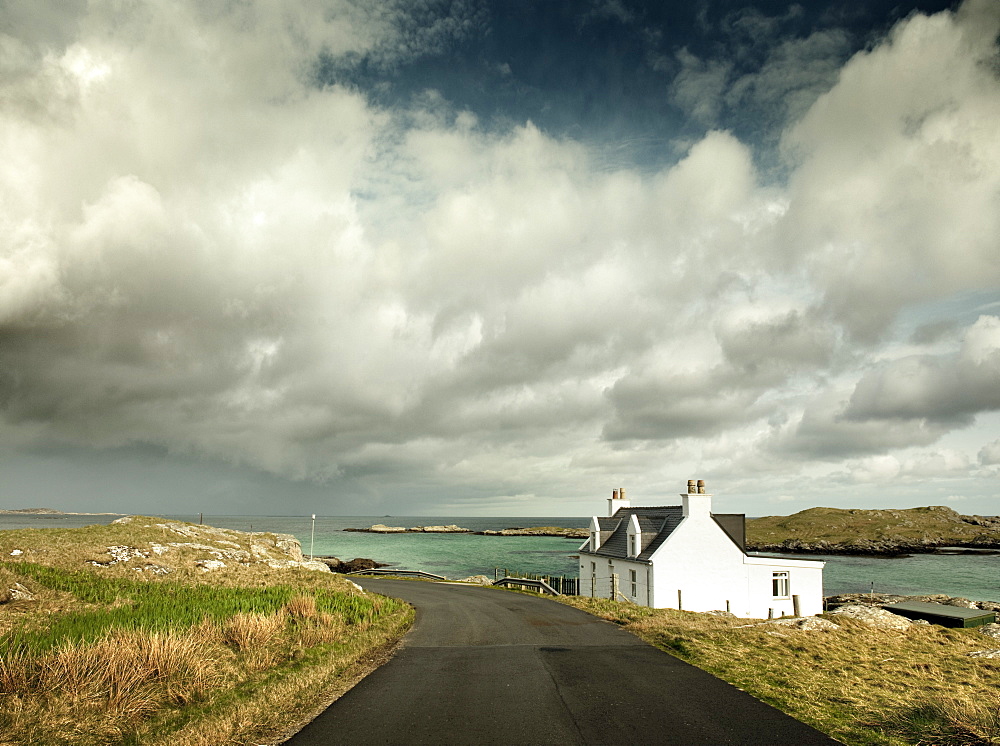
(632, 578)
(781, 584)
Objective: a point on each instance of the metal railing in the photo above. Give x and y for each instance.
(528, 584)
(560, 583)
(401, 573)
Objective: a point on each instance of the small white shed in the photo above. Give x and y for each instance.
(686, 557)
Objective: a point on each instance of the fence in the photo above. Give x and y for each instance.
(560, 583)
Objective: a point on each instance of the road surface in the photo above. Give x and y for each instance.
(484, 666)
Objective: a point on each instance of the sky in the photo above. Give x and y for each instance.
(462, 257)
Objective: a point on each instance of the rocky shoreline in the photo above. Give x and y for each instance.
(566, 533)
(880, 533)
(877, 548)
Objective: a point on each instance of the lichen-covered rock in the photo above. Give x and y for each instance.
(209, 548)
(985, 654)
(809, 623)
(962, 603)
(18, 592)
(478, 580)
(990, 630)
(873, 616)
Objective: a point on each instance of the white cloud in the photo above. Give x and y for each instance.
(892, 200)
(204, 249)
(989, 454)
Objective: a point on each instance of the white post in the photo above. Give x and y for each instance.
(312, 537)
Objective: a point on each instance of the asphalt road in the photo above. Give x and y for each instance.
(483, 666)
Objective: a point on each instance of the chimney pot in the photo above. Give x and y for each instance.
(614, 494)
(621, 493)
(691, 488)
(701, 486)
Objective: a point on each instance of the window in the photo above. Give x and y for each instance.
(631, 574)
(635, 544)
(779, 584)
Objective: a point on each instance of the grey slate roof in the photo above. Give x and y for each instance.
(656, 524)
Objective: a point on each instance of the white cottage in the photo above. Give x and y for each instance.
(687, 557)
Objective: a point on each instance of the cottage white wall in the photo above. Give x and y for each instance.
(805, 581)
(704, 564)
(602, 584)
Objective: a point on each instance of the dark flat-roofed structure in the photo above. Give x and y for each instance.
(946, 616)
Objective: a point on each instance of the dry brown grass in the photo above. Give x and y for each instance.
(246, 631)
(301, 607)
(859, 684)
(210, 682)
(93, 693)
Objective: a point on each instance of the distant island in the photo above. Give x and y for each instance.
(872, 532)
(46, 511)
(569, 533)
(32, 511)
(380, 528)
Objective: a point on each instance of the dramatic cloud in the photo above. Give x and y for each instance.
(943, 389)
(892, 202)
(235, 235)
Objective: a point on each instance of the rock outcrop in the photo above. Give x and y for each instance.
(991, 630)
(808, 624)
(477, 580)
(873, 616)
(884, 599)
(206, 548)
(358, 563)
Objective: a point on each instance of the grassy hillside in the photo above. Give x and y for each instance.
(833, 529)
(157, 632)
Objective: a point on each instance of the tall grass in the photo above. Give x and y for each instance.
(127, 661)
(114, 603)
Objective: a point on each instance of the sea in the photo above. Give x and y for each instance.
(976, 577)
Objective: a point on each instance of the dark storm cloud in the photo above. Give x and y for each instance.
(946, 389)
(453, 248)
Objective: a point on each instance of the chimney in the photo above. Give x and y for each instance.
(617, 501)
(696, 503)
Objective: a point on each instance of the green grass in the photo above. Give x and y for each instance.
(119, 603)
(108, 655)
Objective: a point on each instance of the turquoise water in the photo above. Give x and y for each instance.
(461, 555)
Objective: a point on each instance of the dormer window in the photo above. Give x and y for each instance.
(634, 537)
(595, 534)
